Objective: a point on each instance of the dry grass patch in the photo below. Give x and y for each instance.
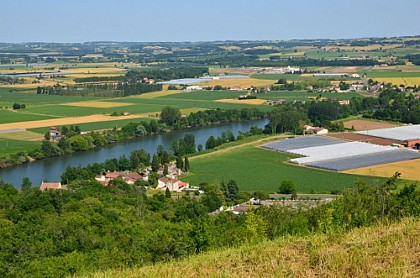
(344, 69)
(22, 135)
(407, 81)
(366, 125)
(409, 170)
(381, 251)
(242, 83)
(244, 101)
(72, 121)
(97, 104)
(30, 85)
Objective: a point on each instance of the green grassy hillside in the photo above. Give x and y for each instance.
(380, 251)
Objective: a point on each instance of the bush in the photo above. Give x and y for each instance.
(287, 187)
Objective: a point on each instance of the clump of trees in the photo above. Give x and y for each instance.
(17, 106)
(90, 227)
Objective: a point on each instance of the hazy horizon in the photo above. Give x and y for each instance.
(191, 21)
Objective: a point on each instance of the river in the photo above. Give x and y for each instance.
(51, 168)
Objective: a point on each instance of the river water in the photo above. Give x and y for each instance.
(51, 168)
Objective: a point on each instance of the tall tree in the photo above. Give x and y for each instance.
(170, 115)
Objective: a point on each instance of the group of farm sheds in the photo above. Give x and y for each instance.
(339, 155)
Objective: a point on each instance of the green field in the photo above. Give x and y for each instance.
(259, 169)
(8, 116)
(96, 125)
(14, 146)
(30, 98)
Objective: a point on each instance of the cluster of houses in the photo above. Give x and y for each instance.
(169, 181)
(307, 129)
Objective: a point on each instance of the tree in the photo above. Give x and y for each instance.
(170, 115)
(186, 164)
(179, 162)
(47, 136)
(287, 187)
(26, 184)
(16, 106)
(155, 163)
(168, 193)
(230, 190)
(49, 149)
(344, 86)
(165, 169)
(211, 143)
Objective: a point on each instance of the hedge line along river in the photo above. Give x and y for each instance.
(50, 169)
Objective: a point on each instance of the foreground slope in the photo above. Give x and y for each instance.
(380, 251)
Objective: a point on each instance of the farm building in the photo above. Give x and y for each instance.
(409, 135)
(338, 155)
(172, 185)
(128, 177)
(315, 130)
(49, 185)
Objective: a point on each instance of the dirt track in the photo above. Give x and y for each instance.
(364, 138)
(70, 121)
(366, 125)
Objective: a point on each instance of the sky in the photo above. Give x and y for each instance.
(209, 20)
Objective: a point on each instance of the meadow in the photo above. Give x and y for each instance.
(8, 146)
(384, 250)
(257, 169)
(9, 116)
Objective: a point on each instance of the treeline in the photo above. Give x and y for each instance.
(415, 59)
(171, 119)
(119, 89)
(283, 85)
(99, 79)
(90, 227)
(166, 74)
(391, 105)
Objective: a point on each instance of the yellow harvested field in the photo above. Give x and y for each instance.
(300, 53)
(344, 69)
(244, 101)
(243, 83)
(72, 120)
(84, 75)
(157, 94)
(409, 170)
(97, 104)
(95, 70)
(22, 135)
(407, 81)
(30, 85)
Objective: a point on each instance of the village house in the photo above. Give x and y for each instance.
(356, 87)
(275, 102)
(315, 130)
(50, 185)
(172, 185)
(344, 102)
(55, 133)
(128, 177)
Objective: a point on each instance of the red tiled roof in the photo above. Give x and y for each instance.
(113, 175)
(50, 185)
(164, 180)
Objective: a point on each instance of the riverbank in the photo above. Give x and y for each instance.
(51, 168)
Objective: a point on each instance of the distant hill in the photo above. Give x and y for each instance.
(379, 251)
